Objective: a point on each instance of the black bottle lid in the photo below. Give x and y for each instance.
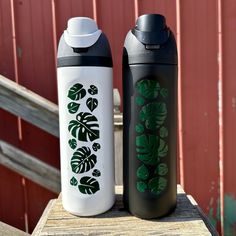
(150, 41)
(151, 29)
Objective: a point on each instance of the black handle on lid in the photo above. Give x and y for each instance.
(151, 29)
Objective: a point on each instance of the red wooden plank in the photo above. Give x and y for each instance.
(116, 18)
(199, 70)
(71, 8)
(229, 114)
(38, 199)
(36, 67)
(164, 7)
(12, 207)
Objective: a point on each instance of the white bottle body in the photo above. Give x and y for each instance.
(90, 157)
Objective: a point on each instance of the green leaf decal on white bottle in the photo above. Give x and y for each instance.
(92, 103)
(83, 160)
(84, 127)
(88, 185)
(76, 92)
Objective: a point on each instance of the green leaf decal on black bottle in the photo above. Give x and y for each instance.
(139, 128)
(161, 169)
(153, 114)
(162, 149)
(141, 186)
(151, 146)
(88, 185)
(157, 185)
(85, 127)
(143, 172)
(148, 88)
(147, 149)
(76, 92)
(139, 101)
(163, 132)
(92, 103)
(82, 160)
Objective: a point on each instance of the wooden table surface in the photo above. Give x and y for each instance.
(186, 220)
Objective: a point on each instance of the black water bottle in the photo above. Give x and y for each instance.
(150, 118)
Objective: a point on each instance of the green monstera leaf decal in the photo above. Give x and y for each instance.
(96, 146)
(82, 160)
(141, 186)
(72, 143)
(148, 88)
(143, 172)
(93, 90)
(161, 169)
(147, 149)
(92, 103)
(162, 149)
(85, 127)
(153, 114)
(164, 92)
(96, 173)
(76, 92)
(88, 185)
(139, 101)
(139, 128)
(73, 107)
(73, 181)
(157, 185)
(163, 132)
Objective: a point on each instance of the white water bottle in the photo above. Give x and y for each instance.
(85, 92)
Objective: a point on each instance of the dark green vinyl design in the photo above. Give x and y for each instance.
(96, 147)
(88, 185)
(84, 127)
(96, 173)
(93, 90)
(73, 181)
(151, 137)
(73, 107)
(76, 92)
(83, 160)
(73, 143)
(92, 103)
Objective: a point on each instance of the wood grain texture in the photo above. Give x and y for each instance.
(33, 108)
(29, 106)
(8, 230)
(29, 167)
(186, 220)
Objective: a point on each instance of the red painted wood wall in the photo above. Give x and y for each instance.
(206, 36)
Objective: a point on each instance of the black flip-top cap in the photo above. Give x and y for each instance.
(151, 29)
(150, 41)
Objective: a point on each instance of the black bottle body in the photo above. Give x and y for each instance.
(150, 134)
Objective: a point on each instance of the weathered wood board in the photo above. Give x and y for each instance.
(186, 220)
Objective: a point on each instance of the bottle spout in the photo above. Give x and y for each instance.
(151, 29)
(81, 32)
